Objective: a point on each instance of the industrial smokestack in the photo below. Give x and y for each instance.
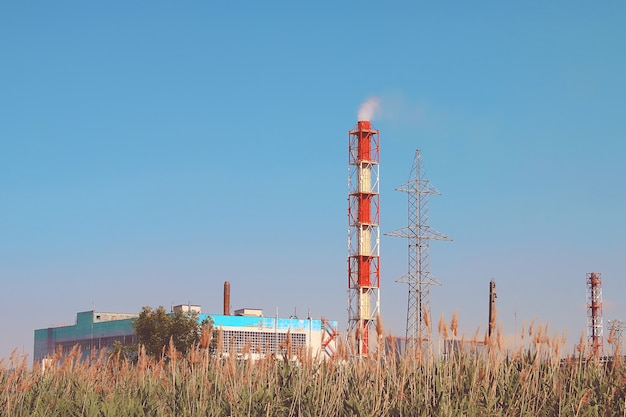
(226, 298)
(364, 230)
(492, 307)
(595, 337)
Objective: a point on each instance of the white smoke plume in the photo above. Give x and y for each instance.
(368, 109)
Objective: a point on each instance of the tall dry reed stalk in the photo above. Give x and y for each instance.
(476, 380)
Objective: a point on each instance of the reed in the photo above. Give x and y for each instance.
(474, 381)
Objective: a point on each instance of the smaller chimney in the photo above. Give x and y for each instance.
(226, 298)
(492, 307)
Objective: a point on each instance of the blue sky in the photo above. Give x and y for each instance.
(149, 151)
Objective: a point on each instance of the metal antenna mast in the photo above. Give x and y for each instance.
(419, 234)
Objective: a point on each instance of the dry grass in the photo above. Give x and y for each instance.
(532, 381)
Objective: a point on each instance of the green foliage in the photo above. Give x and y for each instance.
(155, 328)
(120, 351)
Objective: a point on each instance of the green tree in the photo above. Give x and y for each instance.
(155, 328)
(118, 351)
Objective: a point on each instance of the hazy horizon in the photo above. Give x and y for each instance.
(151, 152)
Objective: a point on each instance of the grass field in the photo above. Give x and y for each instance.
(532, 381)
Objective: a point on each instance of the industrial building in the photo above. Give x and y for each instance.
(247, 331)
(92, 331)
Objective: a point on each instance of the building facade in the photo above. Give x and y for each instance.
(92, 331)
(249, 333)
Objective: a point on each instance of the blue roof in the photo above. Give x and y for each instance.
(268, 323)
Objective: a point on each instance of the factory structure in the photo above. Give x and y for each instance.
(92, 332)
(247, 332)
(250, 329)
(363, 238)
(595, 334)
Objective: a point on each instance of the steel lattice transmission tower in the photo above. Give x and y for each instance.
(419, 234)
